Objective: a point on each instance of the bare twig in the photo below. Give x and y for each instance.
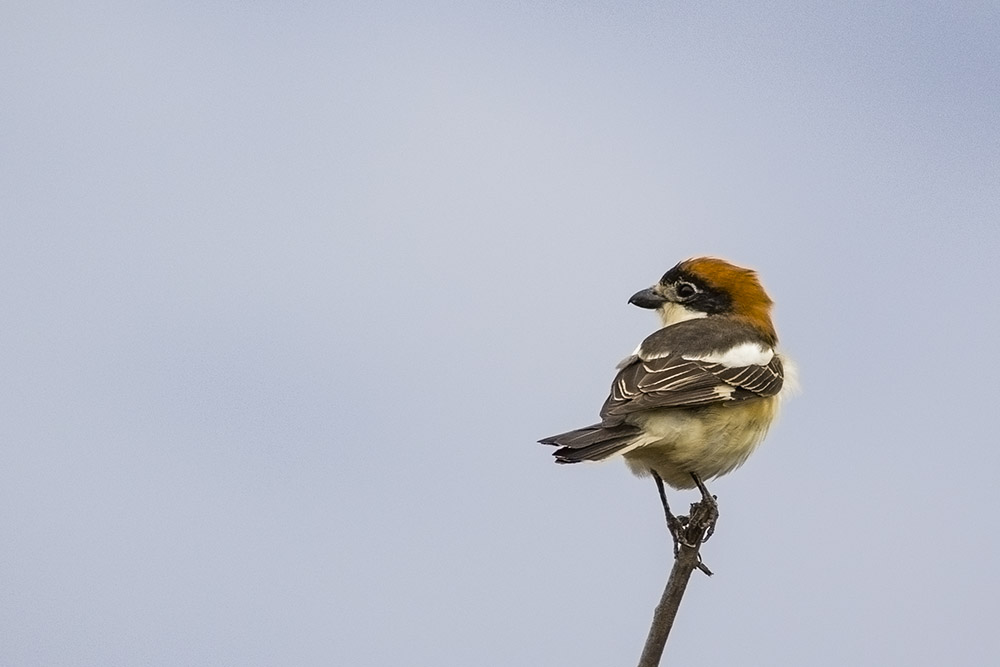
(689, 533)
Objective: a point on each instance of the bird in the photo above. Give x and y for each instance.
(697, 396)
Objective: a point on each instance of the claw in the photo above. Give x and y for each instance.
(712, 507)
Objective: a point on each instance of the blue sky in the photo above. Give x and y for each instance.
(291, 289)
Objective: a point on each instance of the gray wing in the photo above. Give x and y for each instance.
(675, 382)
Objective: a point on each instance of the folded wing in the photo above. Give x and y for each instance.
(688, 365)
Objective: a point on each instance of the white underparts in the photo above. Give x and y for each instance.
(710, 442)
(790, 387)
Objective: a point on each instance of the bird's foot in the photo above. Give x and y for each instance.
(706, 511)
(709, 508)
(676, 525)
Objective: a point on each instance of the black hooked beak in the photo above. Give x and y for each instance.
(647, 298)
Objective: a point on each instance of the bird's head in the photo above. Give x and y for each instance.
(708, 287)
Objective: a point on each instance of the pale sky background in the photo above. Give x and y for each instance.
(289, 290)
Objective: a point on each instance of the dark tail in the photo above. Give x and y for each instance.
(591, 443)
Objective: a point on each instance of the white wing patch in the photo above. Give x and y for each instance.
(744, 354)
(724, 392)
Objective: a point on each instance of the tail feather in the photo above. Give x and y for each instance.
(591, 443)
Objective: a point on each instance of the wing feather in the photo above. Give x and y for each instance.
(671, 381)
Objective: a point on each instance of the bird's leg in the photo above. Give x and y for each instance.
(674, 525)
(709, 501)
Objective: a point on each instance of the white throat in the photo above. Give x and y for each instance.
(672, 313)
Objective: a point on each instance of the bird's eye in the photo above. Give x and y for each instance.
(686, 290)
